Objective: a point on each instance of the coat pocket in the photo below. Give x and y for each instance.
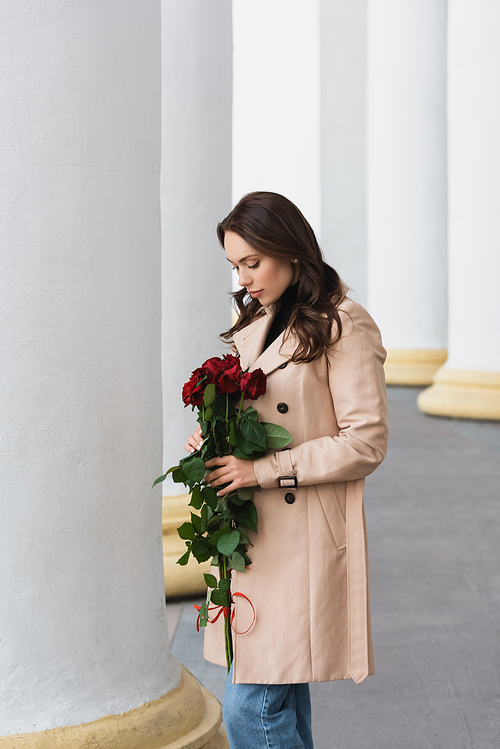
(330, 504)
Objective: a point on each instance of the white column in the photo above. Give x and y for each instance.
(82, 610)
(81, 592)
(276, 121)
(343, 140)
(407, 226)
(469, 384)
(195, 196)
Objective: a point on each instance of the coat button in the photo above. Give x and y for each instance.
(289, 498)
(282, 408)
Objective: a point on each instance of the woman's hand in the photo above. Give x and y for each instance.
(194, 441)
(236, 472)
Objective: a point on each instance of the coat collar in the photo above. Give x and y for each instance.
(250, 343)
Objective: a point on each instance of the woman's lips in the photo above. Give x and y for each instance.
(253, 294)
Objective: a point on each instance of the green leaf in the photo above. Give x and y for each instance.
(219, 597)
(194, 469)
(210, 496)
(244, 446)
(209, 395)
(186, 531)
(236, 562)
(201, 549)
(159, 480)
(210, 580)
(222, 505)
(206, 515)
(245, 493)
(244, 536)
(254, 432)
(228, 543)
(214, 538)
(184, 558)
(276, 436)
(162, 478)
(208, 413)
(196, 498)
(196, 521)
(213, 522)
(204, 614)
(178, 476)
(236, 500)
(219, 405)
(250, 413)
(245, 455)
(247, 516)
(225, 583)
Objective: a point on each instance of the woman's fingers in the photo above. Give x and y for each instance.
(235, 472)
(194, 441)
(220, 476)
(219, 461)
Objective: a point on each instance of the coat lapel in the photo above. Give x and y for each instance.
(250, 343)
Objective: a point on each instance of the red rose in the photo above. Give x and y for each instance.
(228, 381)
(231, 361)
(213, 367)
(192, 392)
(253, 384)
(229, 377)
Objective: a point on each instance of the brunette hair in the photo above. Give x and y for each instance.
(274, 226)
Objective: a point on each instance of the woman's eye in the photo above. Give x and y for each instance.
(254, 266)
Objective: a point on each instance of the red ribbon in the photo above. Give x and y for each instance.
(242, 595)
(226, 611)
(223, 609)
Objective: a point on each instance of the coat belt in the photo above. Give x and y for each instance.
(357, 582)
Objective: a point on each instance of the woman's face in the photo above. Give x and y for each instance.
(265, 278)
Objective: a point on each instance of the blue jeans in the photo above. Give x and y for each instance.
(267, 716)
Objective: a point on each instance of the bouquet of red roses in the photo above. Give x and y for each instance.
(217, 389)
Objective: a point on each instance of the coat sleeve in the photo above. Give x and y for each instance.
(357, 386)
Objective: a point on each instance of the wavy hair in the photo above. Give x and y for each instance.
(274, 226)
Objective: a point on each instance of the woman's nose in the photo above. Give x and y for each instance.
(244, 278)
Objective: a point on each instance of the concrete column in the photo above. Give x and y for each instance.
(195, 196)
(343, 140)
(276, 121)
(407, 224)
(84, 653)
(468, 385)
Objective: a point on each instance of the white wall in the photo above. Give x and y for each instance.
(83, 630)
(276, 116)
(195, 196)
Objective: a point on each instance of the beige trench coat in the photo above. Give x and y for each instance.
(308, 580)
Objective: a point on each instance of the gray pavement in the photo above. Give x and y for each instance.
(433, 514)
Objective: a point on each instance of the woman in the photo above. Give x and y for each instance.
(308, 581)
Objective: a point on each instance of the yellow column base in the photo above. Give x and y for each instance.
(188, 717)
(180, 581)
(463, 394)
(413, 366)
